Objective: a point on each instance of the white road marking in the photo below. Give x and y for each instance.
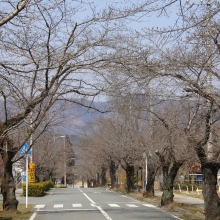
(33, 216)
(58, 206)
(39, 206)
(35, 213)
(150, 206)
(113, 205)
(98, 207)
(62, 210)
(51, 192)
(77, 205)
(131, 205)
(104, 213)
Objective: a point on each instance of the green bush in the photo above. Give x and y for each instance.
(37, 189)
(34, 189)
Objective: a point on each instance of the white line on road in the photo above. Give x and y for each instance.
(98, 207)
(103, 212)
(58, 206)
(51, 192)
(35, 213)
(131, 205)
(77, 205)
(150, 206)
(33, 216)
(39, 206)
(63, 210)
(113, 205)
(89, 199)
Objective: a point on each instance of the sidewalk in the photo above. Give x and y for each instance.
(19, 191)
(184, 199)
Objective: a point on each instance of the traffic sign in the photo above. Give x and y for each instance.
(31, 173)
(24, 150)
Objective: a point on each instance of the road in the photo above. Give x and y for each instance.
(92, 204)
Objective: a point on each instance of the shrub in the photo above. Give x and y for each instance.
(37, 189)
(60, 186)
(34, 189)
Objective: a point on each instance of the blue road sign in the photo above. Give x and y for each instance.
(24, 150)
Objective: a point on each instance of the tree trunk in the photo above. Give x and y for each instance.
(103, 177)
(130, 178)
(89, 183)
(211, 199)
(168, 179)
(151, 173)
(113, 169)
(10, 202)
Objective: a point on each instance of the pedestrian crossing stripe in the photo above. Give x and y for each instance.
(150, 206)
(58, 206)
(131, 205)
(113, 205)
(77, 205)
(39, 206)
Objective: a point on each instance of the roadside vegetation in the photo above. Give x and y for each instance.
(21, 213)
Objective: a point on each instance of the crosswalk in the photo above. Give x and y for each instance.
(112, 205)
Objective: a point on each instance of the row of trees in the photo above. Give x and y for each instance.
(53, 158)
(49, 51)
(180, 64)
(56, 50)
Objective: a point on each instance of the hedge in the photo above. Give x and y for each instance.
(37, 189)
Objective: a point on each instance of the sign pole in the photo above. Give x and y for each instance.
(26, 181)
(25, 151)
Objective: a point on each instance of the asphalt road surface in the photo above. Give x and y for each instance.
(92, 204)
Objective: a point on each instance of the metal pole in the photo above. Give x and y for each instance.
(146, 172)
(151, 108)
(31, 137)
(144, 167)
(26, 181)
(64, 160)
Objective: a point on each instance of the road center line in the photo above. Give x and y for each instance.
(98, 207)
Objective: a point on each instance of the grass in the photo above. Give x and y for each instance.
(22, 213)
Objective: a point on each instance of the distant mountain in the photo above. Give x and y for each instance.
(78, 116)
